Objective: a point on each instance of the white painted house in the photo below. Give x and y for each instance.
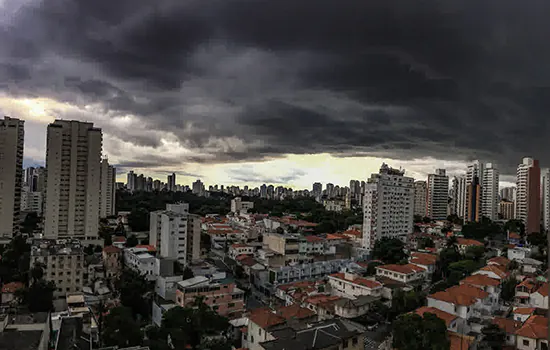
(402, 273)
(351, 286)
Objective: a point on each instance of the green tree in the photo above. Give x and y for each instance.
(426, 242)
(403, 302)
(513, 265)
(120, 329)
(463, 268)
(138, 220)
(454, 219)
(133, 289)
(108, 240)
(474, 253)
(132, 241)
(40, 296)
(371, 267)
(516, 226)
(482, 229)
(494, 338)
(187, 273)
(508, 289)
(412, 332)
(389, 250)
(89, 249)
(418, 219)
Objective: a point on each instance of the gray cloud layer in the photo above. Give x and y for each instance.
(245, 80)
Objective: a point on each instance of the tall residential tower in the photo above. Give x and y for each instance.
(528, 194)
(438, 195)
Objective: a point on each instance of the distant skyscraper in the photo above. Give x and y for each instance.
(131, 181)
(489, 192)
(12, 134)
(330, 190)
(73, 156)
(528, 194)
(388, 206)
(473, 200)
(263, 191)
(420, 195)
(171, 182)
(506, 209)
(107, 192)
(460, 189)
(546, 199)
(198, 188)
(270, 191)
(438, 195)
(317, 190)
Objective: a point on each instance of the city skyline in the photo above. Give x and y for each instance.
(220, 98)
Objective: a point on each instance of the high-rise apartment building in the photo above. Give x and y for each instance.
(459, 191)
(388, 206)
(73, 156)
(438, 195)
(330, 190)
(420, 196)
(472, 210)
(107, 190)
(175, 233)
(171, 183)
(489, 192)
(12, 134)
(508, 193)
(528, 194)
(506, 209)
(317, 190)
(546, 199)
(198, 188)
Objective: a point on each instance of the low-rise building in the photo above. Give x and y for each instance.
(510, 327)
(524, 290)
(518, 253)
(352, 308)
(533, 335)
(240, 249)
(492, 271)
(485, 283)
(140, 260)
(465, 301)
(9, 291)
(62, 261)
(352, 286)
(465, 243)
(453, 322)
(540, 297)
(530, 266)
(402, 273)
(425, 260)
(221, 294)
(112, 261)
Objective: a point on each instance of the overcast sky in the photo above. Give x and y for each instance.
(283, 91)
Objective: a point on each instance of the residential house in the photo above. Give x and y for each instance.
(521, 314)
(465, 243)
(533, 335)
(524, 291)
(424, 260)
(518, 253)
(530, 266)
(240, 249)
(139, 259)
(354, 235)
(112, 261)
(351, 285)
(298, 291)
(500, 262)
(9, 290)
(464, 301)
(510, 327)
(492, 271)
(460, 341)
(352, 308)
(323, 305)
(540, 297)
(312, 245)
(453, 322)
(402, 273)
(485, 283)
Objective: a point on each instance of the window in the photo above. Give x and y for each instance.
(525, 342)
(354, 340)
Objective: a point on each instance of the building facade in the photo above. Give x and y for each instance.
(438, 195)
(528, 194)
(420, 195)
(107, 189)
(12, 134)
(506, 210)
(176, 233)
(388, 206)
(546, 199)
(489, 195)
(73, 155)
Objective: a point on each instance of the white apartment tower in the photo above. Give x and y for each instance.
(388, 206)
(175, 233)
(546, 199)
(460, 193)
(12, 134)
(438, 195)
(107, 190)
(73, 156)
(489, 192)
(420, 194)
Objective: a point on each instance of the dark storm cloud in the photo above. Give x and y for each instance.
(244, 80)
(248, 175)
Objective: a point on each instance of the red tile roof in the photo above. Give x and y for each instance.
(507, 324)
(524, 310)
(527, 283)
(147, 246)
(335, 236)
(469, 242)
(12, 287)
(460, 341)
(494, 269)
(514, 235)
(119, 239)
(294, 311)
(265, 318)
(358, 280)
(312, 239)
(499, 260)
(111, 249)
(355, 233)
(445, 316)
(543, 289)
(480, 280)
(464, 295)
(536, 327)
(425, 256)
(404, 269)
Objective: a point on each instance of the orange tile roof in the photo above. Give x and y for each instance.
(119, 239)
(12, 287)
(358, 280)
(355, 233)
(527, 283)
(543, 289)
(494, 269)
(422, 261)
(265, 318)
(445, 316)
(524, 310)
(322, 299)
(239, 245)
(404, 269)
(469, 242)
(111, 249)
(147, 246)
(499, 260)
(312, 239)
(464, 295)
(507, 324)
(514, 235)
(480, 280)
(536, 327)
(335, 236)
(460, 341)
(426, 256)
(294, 311)
(299, 284)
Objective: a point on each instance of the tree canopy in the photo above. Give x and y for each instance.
(133, 288)
(494, 338)
(120, 329)
(412, 332)
(389, 250)
(508, 290)
(480, 230)
(14, 265)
